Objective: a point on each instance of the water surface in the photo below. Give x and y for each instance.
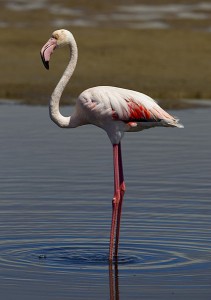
(56, 188)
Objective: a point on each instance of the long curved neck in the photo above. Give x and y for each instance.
(54, 112)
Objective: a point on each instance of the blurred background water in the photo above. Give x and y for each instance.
(128, 14)
(56, 188)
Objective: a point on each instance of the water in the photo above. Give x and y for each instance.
(56, 187)
(135, 16)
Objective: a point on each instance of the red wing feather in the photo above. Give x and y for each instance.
(135, 113)
(138, 112)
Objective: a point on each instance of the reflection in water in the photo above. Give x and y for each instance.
(114, 280)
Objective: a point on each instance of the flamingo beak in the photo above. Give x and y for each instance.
(47, 50)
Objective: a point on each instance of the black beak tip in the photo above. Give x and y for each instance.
(45, 63)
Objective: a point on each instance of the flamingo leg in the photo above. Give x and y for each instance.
(119, 190)
(122, 192)
(116, 199)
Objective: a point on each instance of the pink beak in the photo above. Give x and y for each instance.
(47, 50)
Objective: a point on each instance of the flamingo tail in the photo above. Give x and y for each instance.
(172, 123)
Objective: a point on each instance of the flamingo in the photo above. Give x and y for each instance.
(116, 110)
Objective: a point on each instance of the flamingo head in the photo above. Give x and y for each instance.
(59, 38)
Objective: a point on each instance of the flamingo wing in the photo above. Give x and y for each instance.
(124, 105)
(137, 107)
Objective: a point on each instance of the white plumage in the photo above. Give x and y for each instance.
(113, 108)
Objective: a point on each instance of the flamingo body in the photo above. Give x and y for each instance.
(116, 110)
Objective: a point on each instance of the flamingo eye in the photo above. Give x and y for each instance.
(56, 36)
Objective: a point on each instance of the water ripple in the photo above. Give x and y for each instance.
(92, 257)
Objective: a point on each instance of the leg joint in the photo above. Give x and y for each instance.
(123, 187)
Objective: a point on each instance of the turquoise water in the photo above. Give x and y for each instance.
(56, 188)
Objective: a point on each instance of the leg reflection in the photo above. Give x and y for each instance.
(114, 280)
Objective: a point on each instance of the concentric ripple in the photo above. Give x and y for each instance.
(93, 257)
